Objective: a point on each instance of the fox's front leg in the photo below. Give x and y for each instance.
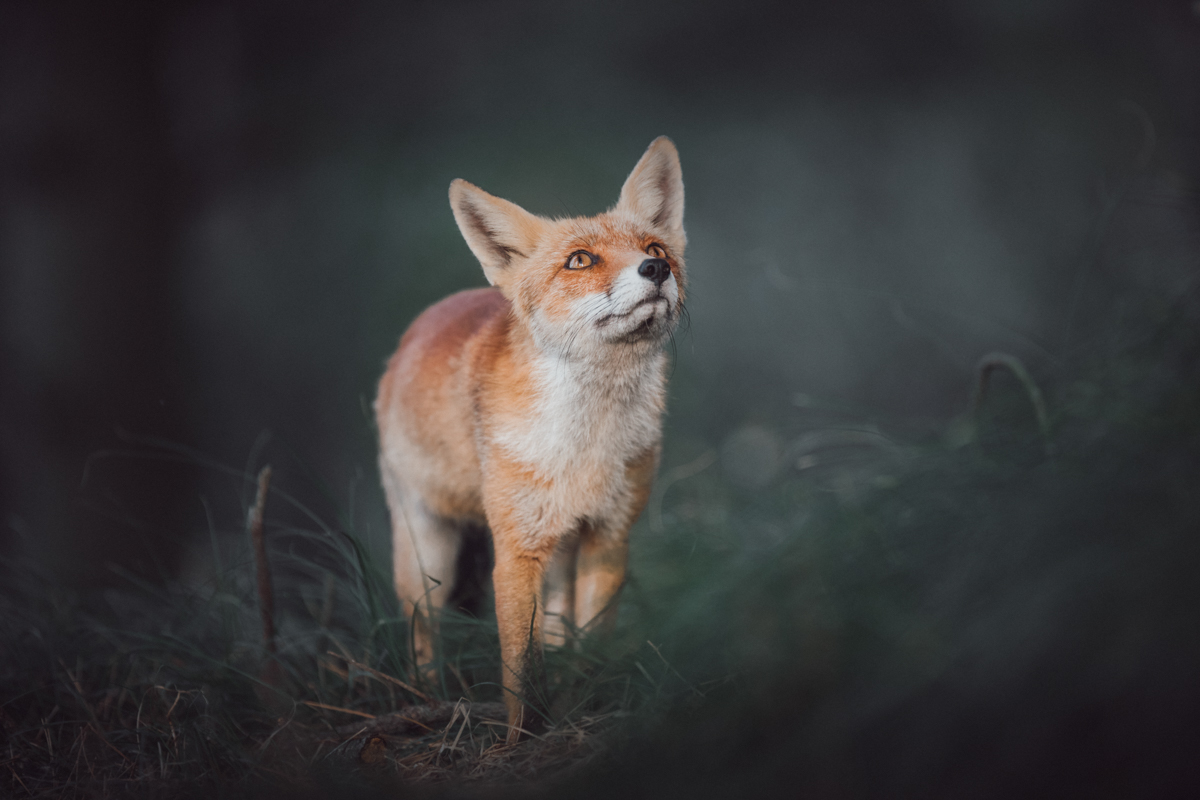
(517, 580)
(523, 542)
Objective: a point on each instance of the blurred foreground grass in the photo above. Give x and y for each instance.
(972, 615)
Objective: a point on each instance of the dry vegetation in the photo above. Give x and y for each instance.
(169, 690)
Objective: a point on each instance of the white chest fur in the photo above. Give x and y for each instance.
(588, 420)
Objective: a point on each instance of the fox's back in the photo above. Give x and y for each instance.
(424, 408)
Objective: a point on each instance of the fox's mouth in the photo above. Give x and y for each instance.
(653, 300)
(650, 328)
(642, 329)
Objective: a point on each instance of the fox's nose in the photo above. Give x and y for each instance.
(655, 269)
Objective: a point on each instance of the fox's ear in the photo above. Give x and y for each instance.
(654, 190)
(496, 230)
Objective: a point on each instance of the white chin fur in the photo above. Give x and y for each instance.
(647, 320)
(633, 307)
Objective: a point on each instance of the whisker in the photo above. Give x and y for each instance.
(687, 317)
(674, 353)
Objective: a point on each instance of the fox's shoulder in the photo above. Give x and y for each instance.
(433, 346)
(448, 322)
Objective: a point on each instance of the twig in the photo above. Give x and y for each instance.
(459, 711)
(96, 729)
(429, 717)
(18, 777)
(987, 365)
(313, 704)
(517, 728)
(382, 676)
(686, 682)
(467, 689)
(254, 526)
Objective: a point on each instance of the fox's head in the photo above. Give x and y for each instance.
(586, 284)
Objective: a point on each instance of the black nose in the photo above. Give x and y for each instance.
(655, 269)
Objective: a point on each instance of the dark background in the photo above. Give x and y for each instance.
(217, 219)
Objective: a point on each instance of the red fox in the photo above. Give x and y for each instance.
(534, 408)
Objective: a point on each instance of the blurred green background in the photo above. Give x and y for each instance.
(216, 219)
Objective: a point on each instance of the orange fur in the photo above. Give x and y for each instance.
(535, 408)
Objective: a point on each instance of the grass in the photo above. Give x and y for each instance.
(173, 689)
(970, 614)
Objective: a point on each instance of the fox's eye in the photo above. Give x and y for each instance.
(580, 260)
(657, 251)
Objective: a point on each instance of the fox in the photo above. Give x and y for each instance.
(533, 409)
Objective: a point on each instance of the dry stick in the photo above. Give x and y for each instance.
(96, 729)
(430, 717)
(266, 598)
(313, 704)
(987, 365)
(382, 676)
(254, 526)
(18, 777)
(686, 682)
(467, 689)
